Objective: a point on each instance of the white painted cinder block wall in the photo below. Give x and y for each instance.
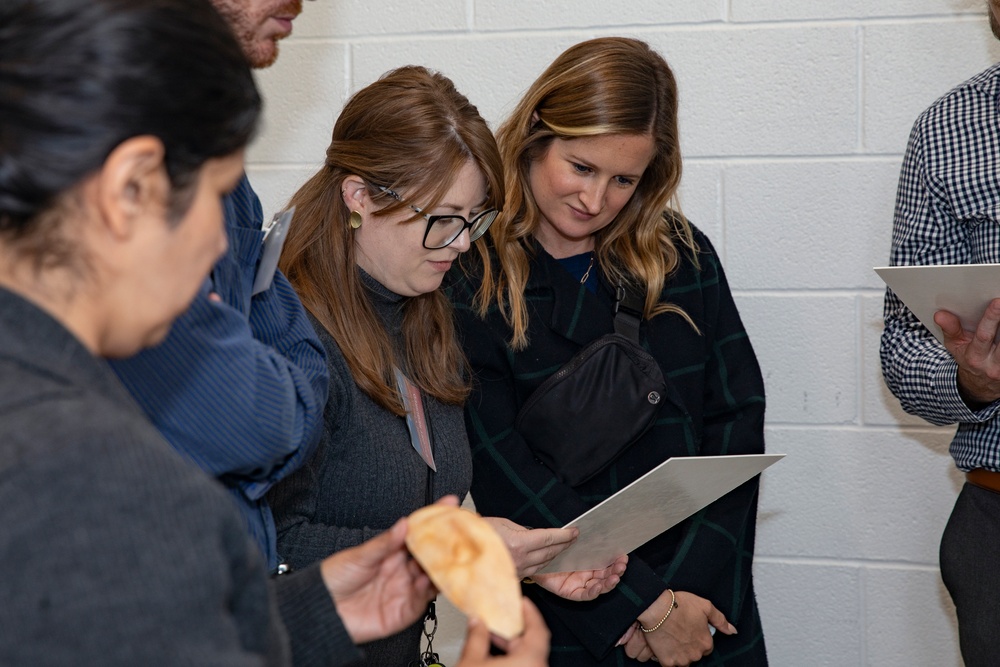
(794, 118)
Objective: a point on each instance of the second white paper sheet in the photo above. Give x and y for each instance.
(963, 289)
(657, 501)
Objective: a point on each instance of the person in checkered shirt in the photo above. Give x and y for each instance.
(948, 212)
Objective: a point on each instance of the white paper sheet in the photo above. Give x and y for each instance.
(963, 289)
(274, 241)
(657, 501)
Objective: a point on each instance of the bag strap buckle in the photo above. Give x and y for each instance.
(629, 304)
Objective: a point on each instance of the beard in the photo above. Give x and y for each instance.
(993, 8)
(260, 49)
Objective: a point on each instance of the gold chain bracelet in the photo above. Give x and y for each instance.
(673, 605)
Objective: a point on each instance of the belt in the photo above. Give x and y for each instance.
(984, 479)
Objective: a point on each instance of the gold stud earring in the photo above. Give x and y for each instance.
(355, 220)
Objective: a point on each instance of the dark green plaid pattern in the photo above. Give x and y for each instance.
(714, 405)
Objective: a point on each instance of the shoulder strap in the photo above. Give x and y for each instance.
(629, 302)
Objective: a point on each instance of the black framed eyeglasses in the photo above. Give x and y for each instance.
(442, 230)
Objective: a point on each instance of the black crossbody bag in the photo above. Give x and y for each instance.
(596, 405)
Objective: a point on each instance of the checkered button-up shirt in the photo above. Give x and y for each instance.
(947, 212)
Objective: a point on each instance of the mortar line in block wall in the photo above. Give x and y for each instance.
(863, 613)
(860, 68)
(847, 292)
(859, 358)
(348, 67)
(933, 18)
(584, 32)
(797, 158)
(735, 160)
(843, 427)
(866, 564)
(722, 215)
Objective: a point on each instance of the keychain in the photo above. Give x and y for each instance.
(429, 658)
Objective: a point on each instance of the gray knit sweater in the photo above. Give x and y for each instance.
(116, 551)
(365, 474)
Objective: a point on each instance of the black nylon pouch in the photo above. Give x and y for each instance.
(602, 400)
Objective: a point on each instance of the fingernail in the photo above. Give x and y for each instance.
(732, 629)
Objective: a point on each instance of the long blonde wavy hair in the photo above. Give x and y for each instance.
(610, 85)
(410, 130)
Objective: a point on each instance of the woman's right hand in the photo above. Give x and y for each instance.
(684, 637)
(532, 548)
(531, 649)
(635, 644)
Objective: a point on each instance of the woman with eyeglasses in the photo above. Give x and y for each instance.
(587, 246)
(412, 178)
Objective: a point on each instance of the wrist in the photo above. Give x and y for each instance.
(974, 392)
(658, 612)
(329, 571)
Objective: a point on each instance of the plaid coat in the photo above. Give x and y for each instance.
(714, 406)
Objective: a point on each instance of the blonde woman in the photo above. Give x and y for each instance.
(592, 162)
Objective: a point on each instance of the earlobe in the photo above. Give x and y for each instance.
(131, 183)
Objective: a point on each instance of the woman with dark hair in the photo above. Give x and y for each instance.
(122, 125)
(412, 178)
(587, 246)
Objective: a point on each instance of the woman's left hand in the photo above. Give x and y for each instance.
(585, 584)
(685, 637)
(532, 548)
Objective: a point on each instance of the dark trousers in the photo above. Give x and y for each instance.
(970, 567)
